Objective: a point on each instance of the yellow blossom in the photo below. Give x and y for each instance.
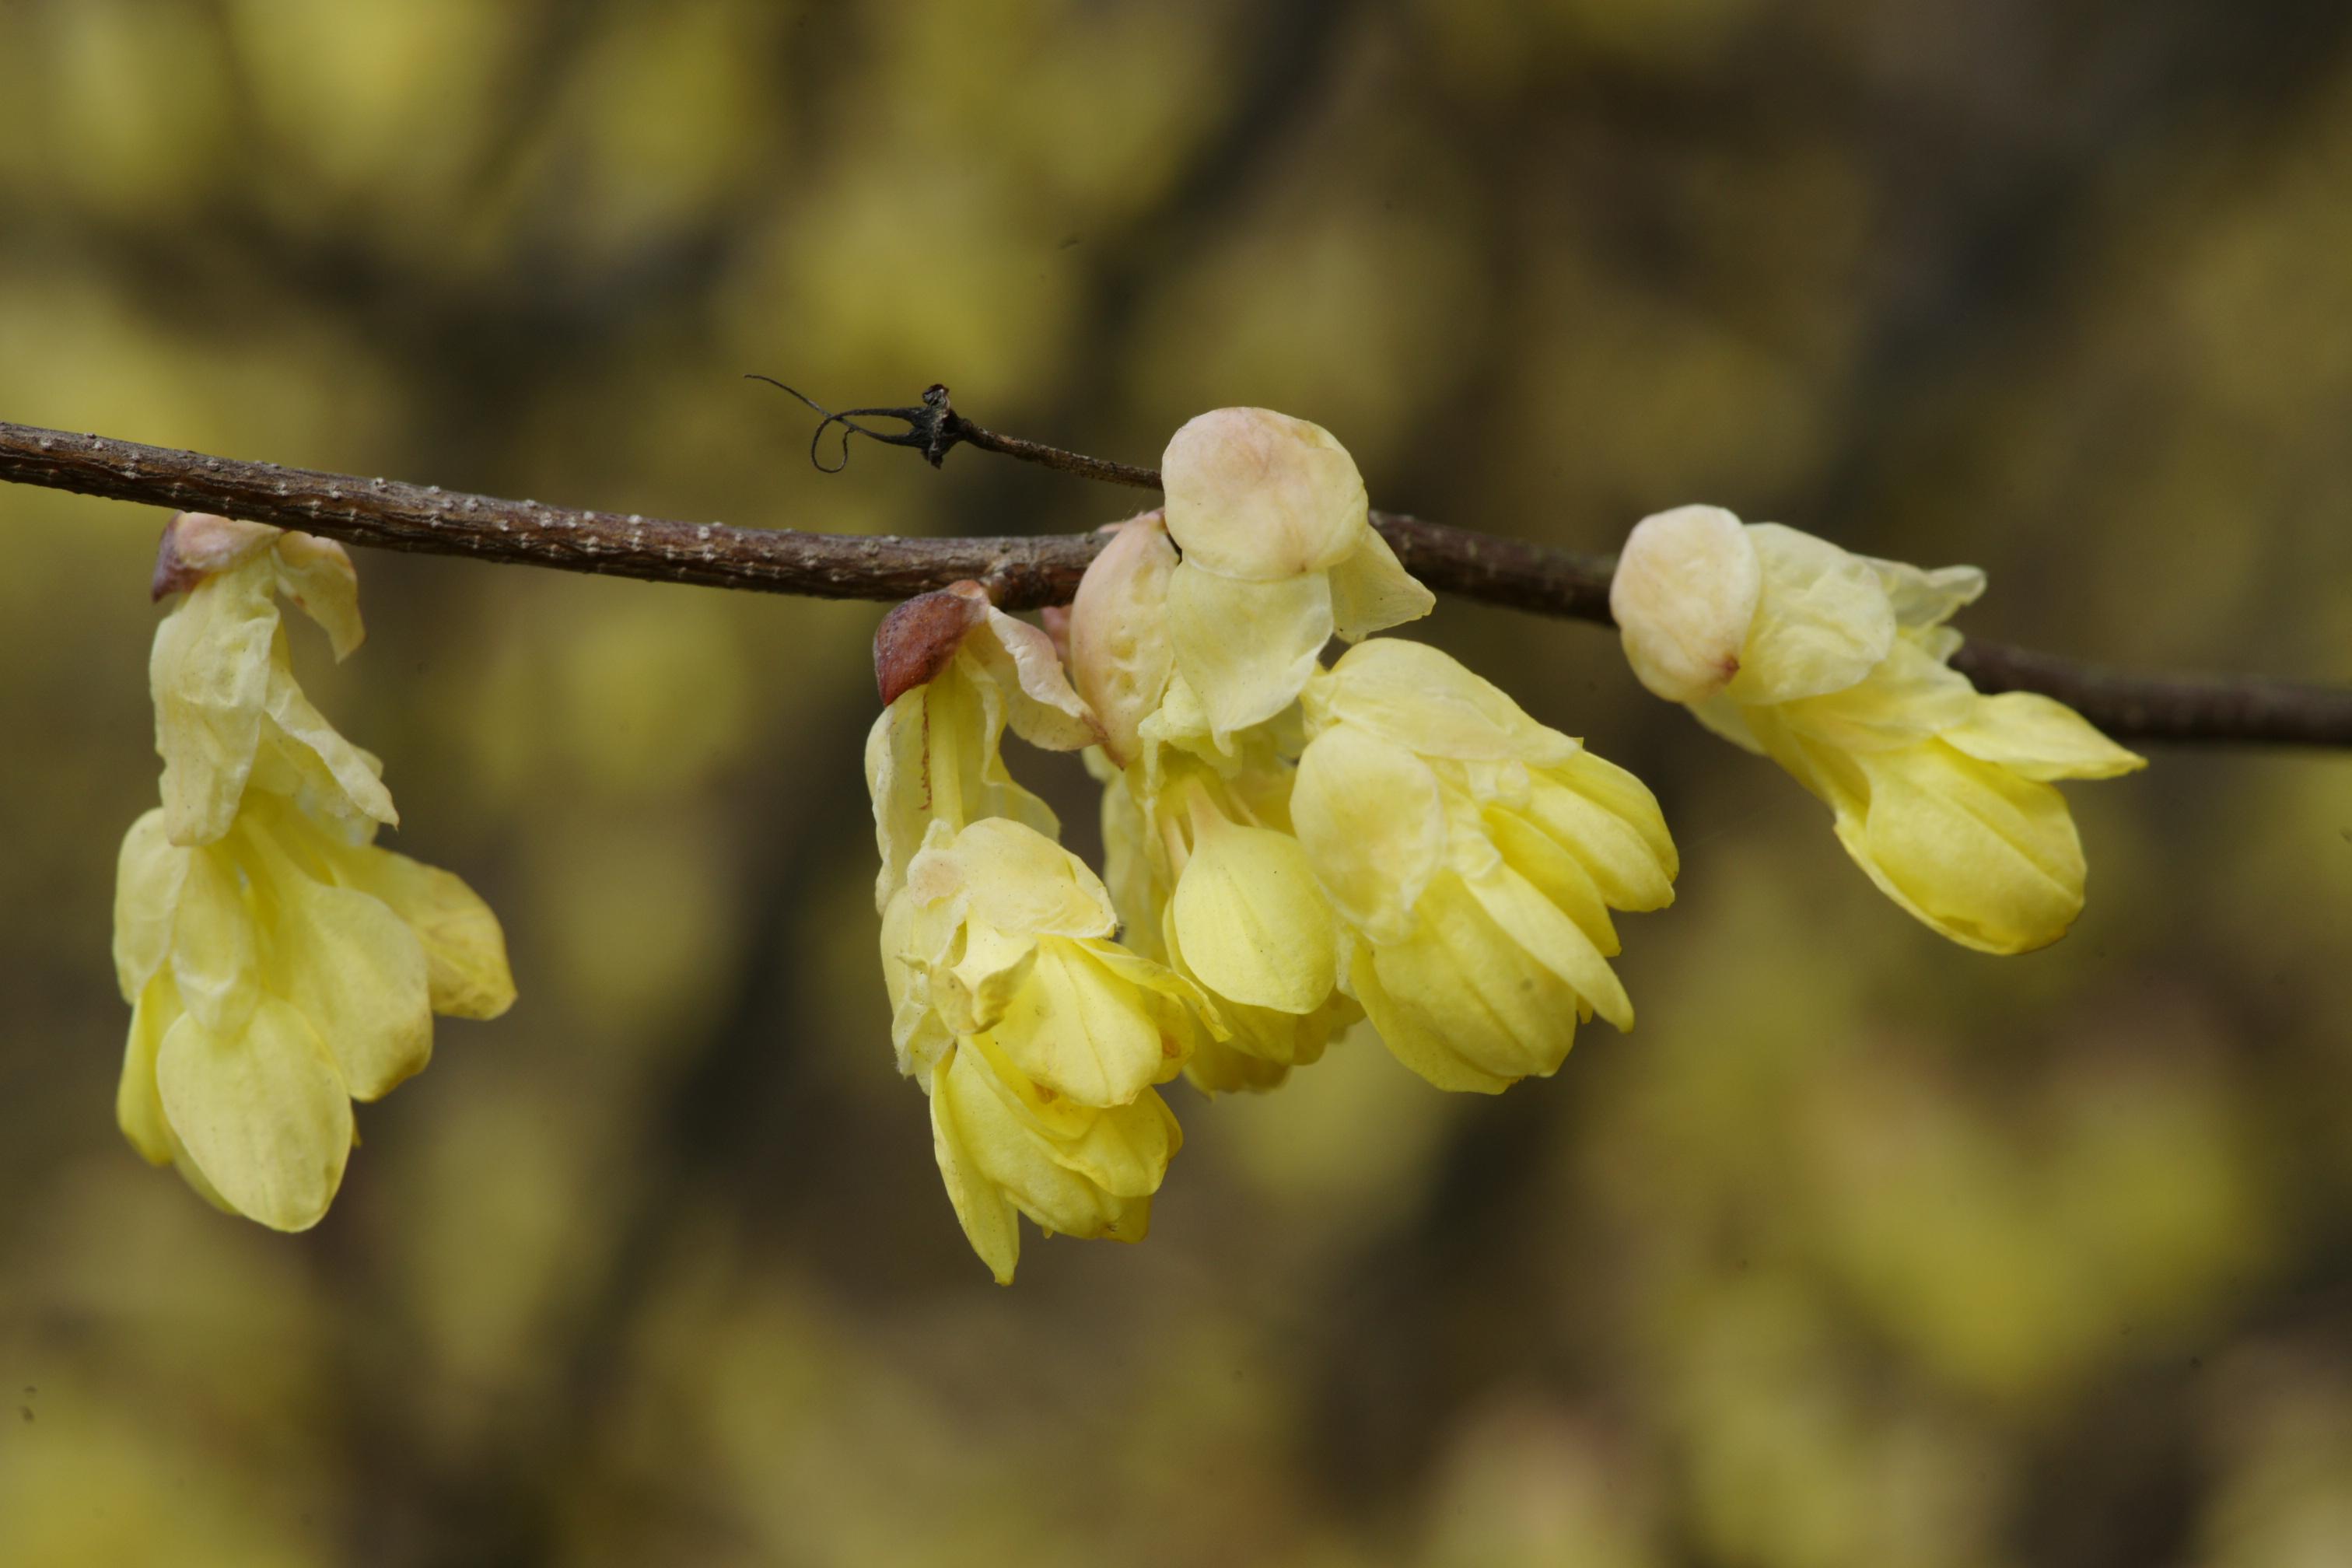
(1836, 667)
(1038, 1036)
(1279, 553)
(1473, 855)
(1205, 871)
(1202, 869)
(283, 965)
(1004, 1147)
(226, 704)
(951, 684)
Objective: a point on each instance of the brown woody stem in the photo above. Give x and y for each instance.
(1026, 573)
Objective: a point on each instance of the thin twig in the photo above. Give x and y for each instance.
(1024, 573)
(934, 428)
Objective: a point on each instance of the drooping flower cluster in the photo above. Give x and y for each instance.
(1836, 667)
(1288, 848)
(1037, 1036)
(278, 963)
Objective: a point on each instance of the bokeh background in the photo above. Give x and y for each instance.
(1863, 1250)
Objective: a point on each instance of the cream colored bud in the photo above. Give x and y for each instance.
(1261, 496)
(1119, 652)
(1684, 596)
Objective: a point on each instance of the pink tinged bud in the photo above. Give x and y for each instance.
(195, 544)
(1261, 497)
(1119, 651)
(917, 639)
(1684, 596)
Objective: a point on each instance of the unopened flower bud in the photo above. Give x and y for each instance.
(1684, 596)
(1261, 497)
(1279, 555)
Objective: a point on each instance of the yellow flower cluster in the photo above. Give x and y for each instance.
(1037, 1036)
(1292, 849)
(1288, 849)
(1836, 667)
(279, 965)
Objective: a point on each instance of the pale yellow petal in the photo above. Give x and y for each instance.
(1420, 698)
(1180, 1006)
(149, 873)
(1822, 621)
(1252, 923)
(2039, 738)
(989, 1220)
(318, 576)
(1556, 873)
(898, 751)
(934, 757)
(972, 993)
(1120, 656)
(1118, 1150)
(292, 772)
(1129, 865)
(1615, 833)
(1729, 720)
(465, 949)
(138, 1103)
(186, 1165)
(209, 673)
(1008, 1154)
(1369, 814)
(1909, 696)
(1500, 1012)
(262, 1114)
(1124, 1150)
(1988, 859)
(1179, 724)
(1417, 1040)
(1221, 1067)
(893, 784)
(359, 974)
(1548, 936)
(214, 946)
(1371, 591)
(1926, 596)
(1080, 1029)
(1246, 650)
(1255, 1047)
(1041, 704)
(1623, 796)
(1684, 596)
(353, 770)
(919, 1035)
(1260, 495)
(1020, 880)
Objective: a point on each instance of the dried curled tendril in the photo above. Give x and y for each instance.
(933, 427)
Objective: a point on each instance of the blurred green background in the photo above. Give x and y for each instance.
(1863, 1250)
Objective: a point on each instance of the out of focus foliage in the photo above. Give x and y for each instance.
(1864, 1249)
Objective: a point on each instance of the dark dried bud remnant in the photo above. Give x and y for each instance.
(916, 641)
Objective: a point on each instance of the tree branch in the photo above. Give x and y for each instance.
(1025, 573)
